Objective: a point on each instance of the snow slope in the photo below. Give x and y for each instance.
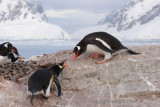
(26, 20)
(31, 30)
(138, 20)
(146, 31)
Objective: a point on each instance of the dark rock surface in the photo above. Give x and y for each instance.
(17, 71)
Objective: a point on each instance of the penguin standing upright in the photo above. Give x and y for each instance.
(101, 43)
(8, 53)
(41, 81)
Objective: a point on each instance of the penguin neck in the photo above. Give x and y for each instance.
(55, 70)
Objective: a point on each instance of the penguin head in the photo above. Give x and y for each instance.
(58, 67)
(61, 65)
(78, 51)
(9, 46)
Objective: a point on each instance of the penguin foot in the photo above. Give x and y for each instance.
(100, 62)
(95, 56)
(49, 95)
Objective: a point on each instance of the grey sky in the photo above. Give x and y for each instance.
(73, 15)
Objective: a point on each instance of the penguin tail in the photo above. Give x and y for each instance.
(32, 99)
(132, 52)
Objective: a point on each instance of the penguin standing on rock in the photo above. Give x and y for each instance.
(100, 43)
(8, 53)
(41, 81)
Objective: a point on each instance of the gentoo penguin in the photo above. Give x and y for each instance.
(41, 81)
(8, 53)
(100, 43)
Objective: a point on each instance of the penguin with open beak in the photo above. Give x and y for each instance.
(8, 53)
(41, 81)
(100, 44)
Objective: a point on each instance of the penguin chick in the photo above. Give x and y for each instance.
(41, 81)
(101, 43)
(8, 53)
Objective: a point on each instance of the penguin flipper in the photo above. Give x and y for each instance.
(32, 99)
(57, 85)
(101, 46)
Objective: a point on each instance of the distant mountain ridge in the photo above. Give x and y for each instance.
(12, 10)
(135, 12)
(26, 20)
(137, 20)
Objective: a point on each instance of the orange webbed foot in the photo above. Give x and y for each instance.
(100, 62)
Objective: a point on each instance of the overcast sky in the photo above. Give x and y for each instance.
(73, 15)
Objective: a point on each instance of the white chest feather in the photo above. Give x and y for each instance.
(4, 60)
(94, 49)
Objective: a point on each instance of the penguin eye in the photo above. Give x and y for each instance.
(78, 48)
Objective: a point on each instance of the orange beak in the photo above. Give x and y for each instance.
(12, 50)
(64, 66)
(75, 56)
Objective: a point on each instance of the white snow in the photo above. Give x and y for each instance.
(147, 31)
(25, 20)
(81, 33)
(31, 30)
(140, 9)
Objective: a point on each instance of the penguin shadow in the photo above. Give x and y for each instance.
(39, 100)
(54, 92)
(117, 56)
(120, 56)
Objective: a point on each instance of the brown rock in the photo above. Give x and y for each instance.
(124, 81)
(14, 72)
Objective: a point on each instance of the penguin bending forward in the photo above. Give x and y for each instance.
(101, 43)
(8, 53)
(41, 81)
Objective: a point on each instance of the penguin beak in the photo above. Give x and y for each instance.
(64, 66)
(13, 50)
(75, 56)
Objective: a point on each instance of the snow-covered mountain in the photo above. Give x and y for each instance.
(12, 10)
(25, 19)
(139, 19)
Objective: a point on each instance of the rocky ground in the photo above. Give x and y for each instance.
(17, 71)
(124, 81)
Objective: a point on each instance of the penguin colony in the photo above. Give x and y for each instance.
(40, 82)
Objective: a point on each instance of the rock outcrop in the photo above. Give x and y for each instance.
(17, 71)
(124, 81)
